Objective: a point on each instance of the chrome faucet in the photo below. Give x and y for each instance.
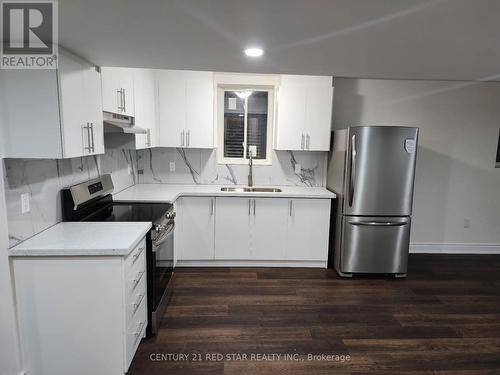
(250, 164)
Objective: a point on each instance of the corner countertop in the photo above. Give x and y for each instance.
(84, 239)
(168, 193)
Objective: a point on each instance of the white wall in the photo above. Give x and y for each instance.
(455, 177)
(9, 344)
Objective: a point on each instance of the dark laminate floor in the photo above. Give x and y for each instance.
(444, 318)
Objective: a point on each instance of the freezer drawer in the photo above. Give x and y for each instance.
(375, 244)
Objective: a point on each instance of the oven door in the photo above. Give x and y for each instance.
(161, 270)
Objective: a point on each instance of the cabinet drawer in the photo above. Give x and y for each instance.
(135, 299)
(135, 331)
(136, 256)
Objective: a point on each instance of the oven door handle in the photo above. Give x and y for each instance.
(162, 239)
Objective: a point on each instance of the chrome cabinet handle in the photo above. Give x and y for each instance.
(137, 303)
(138, 278)
(249, 203)
(188, 138)
(378, 223)
(137, 255)
(138, 332)
(120, 100)
(308, 139)
(124, 104)
(290, 207)
(182, 138)
(352, 177)
(92, 136)
(254, 207)
(148, 137)
(302, 141)
(88, 147)
(211, 207)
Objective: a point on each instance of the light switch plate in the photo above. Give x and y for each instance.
(466, 223)
(171, 166)
(298, 168)
(25, 203)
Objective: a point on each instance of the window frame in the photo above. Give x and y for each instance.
(271, 92)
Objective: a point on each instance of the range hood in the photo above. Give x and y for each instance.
(114, 123)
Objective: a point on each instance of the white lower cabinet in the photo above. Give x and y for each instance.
(81, 315)
(268, 229)
(197, 228)
(308, 229)
(265, 229)
(232, 228)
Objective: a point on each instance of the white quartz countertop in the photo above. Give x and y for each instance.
(84, 239)
(168, 193)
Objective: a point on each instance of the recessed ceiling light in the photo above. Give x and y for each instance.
(254, 52)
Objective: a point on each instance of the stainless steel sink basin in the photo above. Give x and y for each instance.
(251, 190)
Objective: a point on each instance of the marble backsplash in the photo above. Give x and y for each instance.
(44, 179)
(199, 166)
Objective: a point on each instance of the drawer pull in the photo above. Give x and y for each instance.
(138, 302)
(138, 278)
(137, 333)
(137, 255)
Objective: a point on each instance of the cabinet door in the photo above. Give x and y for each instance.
(199, 107)
(308, 229)
(145, 107)
(110, 81)
(232, 228)
(73, 107)
(290, 133)
(127, 86)
(172, 108)
(197, 228)
(319, 116)
(30, 114)
(268, 234)
(93, 99)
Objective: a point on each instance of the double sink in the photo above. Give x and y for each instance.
(251, 190)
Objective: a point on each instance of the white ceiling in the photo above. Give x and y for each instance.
(412, 39)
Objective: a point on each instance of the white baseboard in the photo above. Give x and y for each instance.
(455, 248)
(252, 263)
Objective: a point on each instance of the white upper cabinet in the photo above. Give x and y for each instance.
(304, 113)
(52, 113)
(118, 90)
(146, 116)
(186, 109)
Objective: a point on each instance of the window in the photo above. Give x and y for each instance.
(245, 118)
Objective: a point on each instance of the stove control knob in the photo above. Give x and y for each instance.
(170, 215)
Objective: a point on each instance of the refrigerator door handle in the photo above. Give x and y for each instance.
(352, 177)
(379, 223)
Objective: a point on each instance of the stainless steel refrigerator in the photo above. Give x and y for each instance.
(372, 170)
